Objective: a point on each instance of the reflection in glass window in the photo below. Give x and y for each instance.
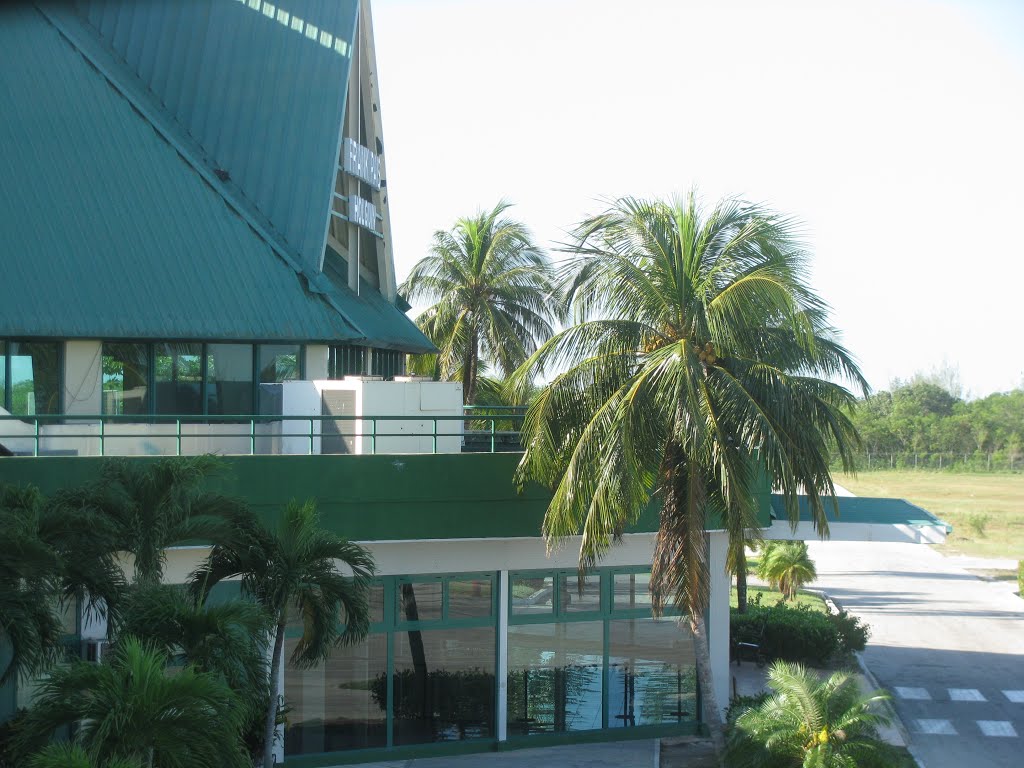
(178, 378)
(3, 374)
(651, 673)
(420, 601)
(532, 596)
(469, 598)
(35, 385)
(339, 704)
(569, 593)
(631, 591)
(276, 363)
(554, 677)
(388, 363)
(346, 360)
(229, 379)
(125, 378)
(444, 685)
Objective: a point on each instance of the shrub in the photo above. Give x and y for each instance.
(791, 634)
(853, 635)
(977, 523)
(740, 704)
(1020, 578)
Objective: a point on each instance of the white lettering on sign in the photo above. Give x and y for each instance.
(361, 162)
(362, 213)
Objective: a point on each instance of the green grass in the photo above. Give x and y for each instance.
(772, 596)
(958, 499)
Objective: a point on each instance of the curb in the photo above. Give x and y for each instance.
(657, 753)
(832, 605)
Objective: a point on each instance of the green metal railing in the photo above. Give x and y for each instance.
(480, 428)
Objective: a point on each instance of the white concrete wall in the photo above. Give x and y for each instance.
(718, 618)
(83, 377)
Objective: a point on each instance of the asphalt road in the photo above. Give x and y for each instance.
(947, 645)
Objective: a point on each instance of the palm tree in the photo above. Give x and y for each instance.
(155, 505)
(29, 625)
(786, 566)
(493, 291)
(226, 638)
(295, 568)
(809, 722)
(699, 350)
(130, 709)
(68, 755)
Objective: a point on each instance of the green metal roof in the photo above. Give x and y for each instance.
(259, 86)
(863, 510)
(111, 228)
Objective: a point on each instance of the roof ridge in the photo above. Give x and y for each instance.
(96, 52)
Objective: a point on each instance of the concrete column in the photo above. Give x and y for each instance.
(83, 377)
(316, 361)
(279, 740)
(502, 671)
(718, 618)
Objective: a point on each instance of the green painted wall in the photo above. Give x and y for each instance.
(367, 498)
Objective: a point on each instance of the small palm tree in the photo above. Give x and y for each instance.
(808, 722)
(129, 708)
(295, 568)
(155, 505)
(699, 351)
(68, 755)
(493, 291)
(786, 566)
(225, 638)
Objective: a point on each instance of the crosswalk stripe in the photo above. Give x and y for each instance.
(997, 728)
(913, 694)
(1017, 697)
(965, 694)
(936, 727)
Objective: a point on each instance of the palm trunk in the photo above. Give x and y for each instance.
(712, 714)
(270, 724)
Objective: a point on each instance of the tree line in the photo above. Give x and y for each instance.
(921, 423)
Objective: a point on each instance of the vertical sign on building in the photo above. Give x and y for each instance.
(364, 164)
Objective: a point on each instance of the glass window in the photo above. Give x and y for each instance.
(388, 363)
(571, 600)
(532, 595)
(229, 379)
(554, 677)
(125, 378)
(419, 601)
(339, 704)
(178, 387)
(276, 363)
(469, 598)
(35, 384)
(631, 591)
(346, 360)
(444, 685)
(651, 673)
(3, 375)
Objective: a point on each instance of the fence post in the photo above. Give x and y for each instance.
(435, 436)
(252, 437)
(310, 437)
(35, 430)
(102, 436)
(177, 434)
(492, 435)
(373, 437)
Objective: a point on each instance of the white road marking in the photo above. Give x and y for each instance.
(913, 694)
(1017, 697)
(997, 728)
(965, 694)
(936, 727)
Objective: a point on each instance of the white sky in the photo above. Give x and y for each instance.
(894, 129)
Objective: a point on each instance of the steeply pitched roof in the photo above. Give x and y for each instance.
(259, 88)
(110, 229)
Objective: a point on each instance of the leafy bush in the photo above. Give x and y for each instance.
(853, 635)
(1020, 578)
(792, 634)
(977, 523)
(740, 704)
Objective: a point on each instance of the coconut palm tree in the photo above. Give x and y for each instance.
(699, 349)
(492, 287)
(809, 722)
(786, 566)
(294, 569)
(129, 708)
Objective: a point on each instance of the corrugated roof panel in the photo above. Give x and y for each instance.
(259, 86)
(108, 233)
(865, 510)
